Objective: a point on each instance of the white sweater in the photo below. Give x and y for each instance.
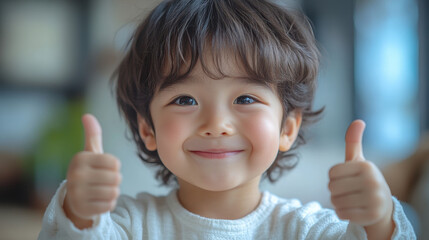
(152, 217)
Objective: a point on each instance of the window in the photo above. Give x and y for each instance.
(387, 74)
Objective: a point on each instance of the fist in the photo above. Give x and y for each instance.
(358, 189)
(93, 178)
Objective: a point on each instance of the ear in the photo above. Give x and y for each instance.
(290, 130)
(146, 133)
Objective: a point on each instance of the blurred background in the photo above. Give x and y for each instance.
(56, 58)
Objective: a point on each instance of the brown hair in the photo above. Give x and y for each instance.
(275, 45)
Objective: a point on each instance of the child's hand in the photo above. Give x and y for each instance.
(92, 179)
(359, 191)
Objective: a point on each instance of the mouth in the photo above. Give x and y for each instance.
(216, 153)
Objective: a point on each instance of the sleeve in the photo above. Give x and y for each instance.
(57, 226)
(319, 223)
(403, 227)
(316, 222)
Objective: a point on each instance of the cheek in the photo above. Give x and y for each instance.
(169, 129)
(171, 132)
(263, 131)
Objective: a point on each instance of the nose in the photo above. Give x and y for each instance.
(216, 123)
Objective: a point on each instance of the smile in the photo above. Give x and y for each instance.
(216, 154)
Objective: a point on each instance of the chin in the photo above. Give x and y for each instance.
(218, 187)
(220, 184)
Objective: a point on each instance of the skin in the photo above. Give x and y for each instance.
(93, 179)
(359, 191)
(218, 143)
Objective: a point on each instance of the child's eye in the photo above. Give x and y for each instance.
(185, 101)
(245, 100)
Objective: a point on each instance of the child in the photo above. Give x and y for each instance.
(215, 93)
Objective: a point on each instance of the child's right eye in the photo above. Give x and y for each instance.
(185, 101)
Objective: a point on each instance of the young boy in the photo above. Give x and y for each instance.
(215, 93)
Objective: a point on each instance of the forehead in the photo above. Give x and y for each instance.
(198, 79)
(214, 66)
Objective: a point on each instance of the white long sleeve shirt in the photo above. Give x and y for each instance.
(152, 217)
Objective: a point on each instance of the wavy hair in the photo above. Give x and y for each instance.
(274, 45)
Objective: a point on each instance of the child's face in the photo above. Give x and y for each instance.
(218, 134)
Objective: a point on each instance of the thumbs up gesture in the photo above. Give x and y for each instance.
(92, 179)
(358, 189)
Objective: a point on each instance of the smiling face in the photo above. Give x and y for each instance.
(218, 134)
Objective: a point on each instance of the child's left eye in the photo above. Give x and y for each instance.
(245, 100)
(185, 101)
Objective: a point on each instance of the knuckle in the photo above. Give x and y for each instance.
(118, 163)
(80, 160)
(104, 157)
(109, 156)
(80, 157)
(333, 171)
(334, 189)
(366, 166)
(118, 179)
(338, 202)
(79, 175)
(116, 193)
(334, 201)
(331, 186)
(111, 194)
(74, 163)
(112, 160)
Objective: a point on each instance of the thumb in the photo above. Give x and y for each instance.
(93, 142)
(354, 141)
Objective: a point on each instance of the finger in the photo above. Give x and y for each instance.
(345, 186)
(93, 141)
(354, 141)
(105, 161)
(354, 200)
(344, 170)
(104, 177)
(102, 193)
(352, 214)
(98, 207)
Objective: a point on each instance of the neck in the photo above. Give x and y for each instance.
(229, 204)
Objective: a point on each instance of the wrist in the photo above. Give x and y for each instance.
(382, 229)
(79, 222)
